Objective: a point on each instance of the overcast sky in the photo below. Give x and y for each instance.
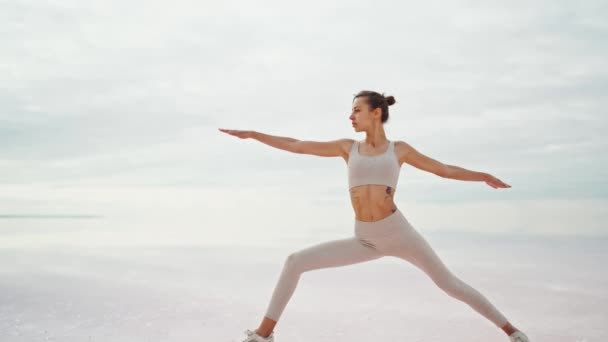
(112, 107)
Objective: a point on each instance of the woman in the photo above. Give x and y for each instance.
(380, 228)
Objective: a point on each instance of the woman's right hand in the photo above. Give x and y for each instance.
(238, 133)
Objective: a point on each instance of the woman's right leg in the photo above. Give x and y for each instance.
(333, 253)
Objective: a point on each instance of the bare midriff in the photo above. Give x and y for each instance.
(372, 202)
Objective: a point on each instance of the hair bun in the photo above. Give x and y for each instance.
(390, 100)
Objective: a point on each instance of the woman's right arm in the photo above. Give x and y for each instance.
(334, 148)
(282, 143)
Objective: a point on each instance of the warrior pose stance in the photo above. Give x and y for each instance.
(380, 228)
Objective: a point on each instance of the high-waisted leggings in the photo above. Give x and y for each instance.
(390, 236)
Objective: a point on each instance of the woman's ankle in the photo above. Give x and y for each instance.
(263, 333)
(509, 329)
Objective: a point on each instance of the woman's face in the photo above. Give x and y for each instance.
(361, 117)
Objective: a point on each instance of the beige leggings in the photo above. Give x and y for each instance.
(390, 236)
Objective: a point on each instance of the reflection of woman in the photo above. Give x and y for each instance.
(380, 227)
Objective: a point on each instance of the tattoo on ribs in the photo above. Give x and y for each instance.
(389, 192)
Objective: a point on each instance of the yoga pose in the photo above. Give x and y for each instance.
(380, 228)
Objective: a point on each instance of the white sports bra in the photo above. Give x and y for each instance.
(380, 169)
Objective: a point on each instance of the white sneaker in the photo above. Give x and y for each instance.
(518, 336)
(252, 336)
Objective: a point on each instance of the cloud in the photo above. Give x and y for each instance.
(116, 94)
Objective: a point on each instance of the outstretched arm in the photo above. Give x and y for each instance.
(332, 148)
(282, 143)
(410, 155)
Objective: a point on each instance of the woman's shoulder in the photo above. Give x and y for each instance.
(347, 144)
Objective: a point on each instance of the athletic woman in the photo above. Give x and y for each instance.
(380, 228)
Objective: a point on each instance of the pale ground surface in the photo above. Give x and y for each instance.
(555, 289)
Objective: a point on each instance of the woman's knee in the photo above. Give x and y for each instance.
(293, 262)
(304, 261)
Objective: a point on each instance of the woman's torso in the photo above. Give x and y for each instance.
(372, 202)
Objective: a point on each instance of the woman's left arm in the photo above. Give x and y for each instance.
(459, 173)
(408, 154)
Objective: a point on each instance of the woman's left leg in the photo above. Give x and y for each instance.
(409, 245)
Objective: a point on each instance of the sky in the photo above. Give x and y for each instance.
(110, 110)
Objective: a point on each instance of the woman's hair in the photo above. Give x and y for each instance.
(376, 100)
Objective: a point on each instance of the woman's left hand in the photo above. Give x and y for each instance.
(495, 182)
